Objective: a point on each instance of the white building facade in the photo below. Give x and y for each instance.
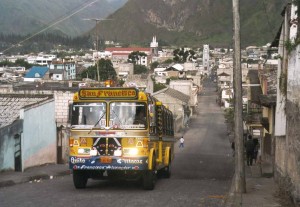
(41, 59)
(206, 58)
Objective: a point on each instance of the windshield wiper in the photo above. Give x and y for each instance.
(97, 122)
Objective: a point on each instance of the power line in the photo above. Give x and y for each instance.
(63, 18)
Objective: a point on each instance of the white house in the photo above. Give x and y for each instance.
(41, 59)
(68, 70)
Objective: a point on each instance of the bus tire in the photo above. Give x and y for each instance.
(149, 176)
(166, 172)
(79, 179)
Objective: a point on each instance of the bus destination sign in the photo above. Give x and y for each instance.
(112, 93)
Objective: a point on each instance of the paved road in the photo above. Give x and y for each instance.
(201, 174)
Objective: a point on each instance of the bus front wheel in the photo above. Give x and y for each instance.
(79, 179)
(149, 177)
(167, 171)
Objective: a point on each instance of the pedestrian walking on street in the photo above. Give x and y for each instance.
(181, 142)
(250, 150)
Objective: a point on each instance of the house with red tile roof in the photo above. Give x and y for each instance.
(121, 53)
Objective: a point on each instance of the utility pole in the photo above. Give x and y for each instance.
(97, 48)
(240, 181)
(97, 43)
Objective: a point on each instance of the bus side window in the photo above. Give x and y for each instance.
(152, 114)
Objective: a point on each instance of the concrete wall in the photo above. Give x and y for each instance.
(175, 106)
(293, 123)
(288, 154)
(39, 135)
(280, 118)
(62, 101)
(287, 130)
(178, 126)
(182, 86)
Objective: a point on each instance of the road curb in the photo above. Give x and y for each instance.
(7, 183)
(33, 178)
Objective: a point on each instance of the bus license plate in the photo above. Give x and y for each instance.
(105, 159)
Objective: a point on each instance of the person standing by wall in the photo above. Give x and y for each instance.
(256, 148)
(249, 150)
(181, 142)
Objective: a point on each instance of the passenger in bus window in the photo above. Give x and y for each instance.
(140, 117)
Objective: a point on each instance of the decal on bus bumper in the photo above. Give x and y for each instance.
(108, 163)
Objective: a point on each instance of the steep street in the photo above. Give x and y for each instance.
(201, 173)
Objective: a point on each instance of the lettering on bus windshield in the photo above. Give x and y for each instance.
(108, 93)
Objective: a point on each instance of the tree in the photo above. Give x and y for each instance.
(106, 69)
(140, 69)
(192, 55)
(158, 86)
(182, 55)
(135, 56)
(168, 61)
(154, 65)
(90, 72)
(6, 63)
(23, 63)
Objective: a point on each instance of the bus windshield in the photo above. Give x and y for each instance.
(89, 114)
(128, 115)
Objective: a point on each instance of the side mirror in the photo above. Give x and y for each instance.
(70, 113)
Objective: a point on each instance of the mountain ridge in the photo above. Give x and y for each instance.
(173, 22)
(190, 22)
(31, 16)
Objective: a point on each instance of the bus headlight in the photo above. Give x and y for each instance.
(80, 151)
(117, 152)
(131, 151)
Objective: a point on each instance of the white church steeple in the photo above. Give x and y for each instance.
(154, 46)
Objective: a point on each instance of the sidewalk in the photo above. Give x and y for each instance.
(261, 190)
(47, 171)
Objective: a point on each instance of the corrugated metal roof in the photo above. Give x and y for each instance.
(41, 71)
(175, 94)
(223, 74)
(11, 104)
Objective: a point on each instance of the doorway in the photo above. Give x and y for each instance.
(18, 153)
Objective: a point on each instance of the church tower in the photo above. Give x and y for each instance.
(154, 46)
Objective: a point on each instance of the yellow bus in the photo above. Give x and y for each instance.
(119, 133)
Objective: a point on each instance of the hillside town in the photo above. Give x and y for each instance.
(270, 82)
